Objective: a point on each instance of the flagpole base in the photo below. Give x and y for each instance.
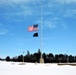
(41, 60)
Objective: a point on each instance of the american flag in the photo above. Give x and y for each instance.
(33, 28)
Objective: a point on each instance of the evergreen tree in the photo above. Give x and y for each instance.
(8, 58)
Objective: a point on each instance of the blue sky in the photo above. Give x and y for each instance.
(58, 26)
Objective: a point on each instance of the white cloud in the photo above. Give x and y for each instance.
(48, 13)
(66, 1)
(70, 13)
(18, 1)
(3, 32)
(64, 26)
(55, 2)
(46, 24)
(56, 18)
(49, 24)
(9, 1)
(19, 8)
(24, 13)
(1, 25)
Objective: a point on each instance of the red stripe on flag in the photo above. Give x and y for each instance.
(32, 28)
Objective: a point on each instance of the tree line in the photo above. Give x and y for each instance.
(48, 58)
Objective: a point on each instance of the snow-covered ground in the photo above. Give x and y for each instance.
(12, 68)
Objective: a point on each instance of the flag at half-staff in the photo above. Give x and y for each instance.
(35, 35)
(33, 28)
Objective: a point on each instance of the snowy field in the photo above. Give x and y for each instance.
(12, 68)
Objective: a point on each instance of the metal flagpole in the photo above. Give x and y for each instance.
(23, 56)
(67, 57)
(41, 30)
(41, 59)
